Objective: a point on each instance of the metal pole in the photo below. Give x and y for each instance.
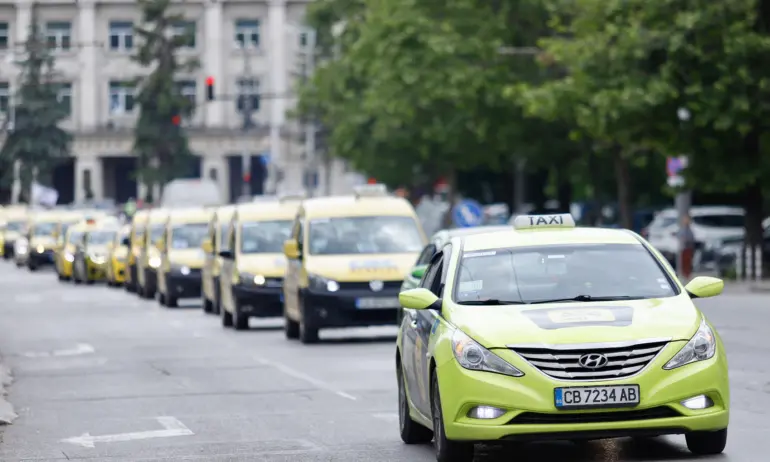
(683, 200)
(310, 126)
(520, 186)
(248, 111)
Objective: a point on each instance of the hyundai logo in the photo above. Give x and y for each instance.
(593, 361)
(376, 286)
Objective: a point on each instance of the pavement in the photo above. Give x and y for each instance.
(102, 375)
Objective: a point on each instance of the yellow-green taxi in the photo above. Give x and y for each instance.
(550, 331)
(118, 257)
(12, 227)
(92, 253)
(181, 255)
(215, 243)
(136, 241)
(148, 262)
(254, 263)
(347, 257)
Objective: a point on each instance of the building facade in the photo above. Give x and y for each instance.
(248, 47)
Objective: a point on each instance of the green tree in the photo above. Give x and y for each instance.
(160, 142)
(36, 140)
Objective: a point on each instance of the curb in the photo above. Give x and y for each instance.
(7, 414)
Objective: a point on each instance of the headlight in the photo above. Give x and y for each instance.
(69, 257)
(96, 258)
(321, 283)
(40, 249)
(154, 262)
(185, 270)
(475, 357)
(702, 346)
(249, 279)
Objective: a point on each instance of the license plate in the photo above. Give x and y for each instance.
(375, 303)
(593, 397)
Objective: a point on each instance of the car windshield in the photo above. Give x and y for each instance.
(719, 221)
(189, 236)
(265, 236)
(364, 235)
(75, 237)
(223, 235)
(560, 273)
(45, 229)
(156, 232)
(100, 237)
(14, 226)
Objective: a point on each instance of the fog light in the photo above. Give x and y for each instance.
(698, 402)
(485, 412)
(259, 280)
(184, 270)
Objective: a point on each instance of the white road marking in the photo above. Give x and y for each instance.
(306, 378)
(79, 349)
(171, 427)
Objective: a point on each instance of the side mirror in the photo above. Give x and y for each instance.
(226, 254)
(419, 299)
(126, 242)
(207, 246)
(705, 287)
(419, 271)
(291, 249)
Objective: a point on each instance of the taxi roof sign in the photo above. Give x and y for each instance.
(560, 220)
(371, 190)
(296, 196)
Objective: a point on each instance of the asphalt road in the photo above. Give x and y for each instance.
(150, 383)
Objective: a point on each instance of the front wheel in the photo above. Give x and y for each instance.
(446, 450)
(227, 317)
(308, 333)
(240, 320)
(411, 431)
(706, 443)
(290, 328)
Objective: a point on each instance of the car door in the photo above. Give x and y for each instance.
(414, 336)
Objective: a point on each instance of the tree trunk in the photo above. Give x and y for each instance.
(623, 179)
(564, 189)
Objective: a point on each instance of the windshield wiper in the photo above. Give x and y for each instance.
(587, 298)
(491, 301)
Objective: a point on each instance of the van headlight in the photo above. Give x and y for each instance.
(702, 346)
(475, 357)
(154, 262)
(321, 283)
(96, 258)
(69, 257)
(252, 279)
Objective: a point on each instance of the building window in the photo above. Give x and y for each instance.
(188, 89)
(248, 93)
(64, 96)
(247, 33)
(58, 35)
(121, 97)
(3, 35)
(121, 35)
(213, 174)
(303, 39)
(5, 97)
(186, 31)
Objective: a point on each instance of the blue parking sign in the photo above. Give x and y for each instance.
(467, 214)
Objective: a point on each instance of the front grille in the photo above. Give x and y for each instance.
(365, 285)
(535, 418)
(563, 363)
(273, 282)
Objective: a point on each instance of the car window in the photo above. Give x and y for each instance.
(364, 235)
(432, 274)
(426, 255)
(14, 226)
(45, 229)
(265, 236)
(532, 274)
(156, 232)
(189, 235)
(719, 221)
(100, 237)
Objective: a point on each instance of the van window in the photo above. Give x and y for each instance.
(364, 235)
(45, 229)
(719, 221)
(188, 235)
(265, 236)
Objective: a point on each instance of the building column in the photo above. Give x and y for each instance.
(88, 172)
(213, 59)
(215, 168)
(276, 48)
(87, 90)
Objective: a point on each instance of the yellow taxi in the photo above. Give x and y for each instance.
(118, 257)
(254, 264)
(136, 240)
(181, 255)
(92, 253)
(149, 259)
(65, 254)
(42, 238)
(214, 243)
(347, 258)
(12, 224)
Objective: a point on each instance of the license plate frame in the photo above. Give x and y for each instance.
(591, 400)
(377, 303)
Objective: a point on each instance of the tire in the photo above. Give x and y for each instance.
(411, 432)
(290, 328)
(446, 450)
(217, 308)
(208, 306)
(706, 443)
(308, 334)
(161, 299)
(227, 317)
(32, 266)
(171, 302)
(240, 320)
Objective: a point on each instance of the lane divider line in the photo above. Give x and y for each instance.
(320, 384)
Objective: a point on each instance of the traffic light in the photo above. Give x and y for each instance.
(210, 88)
(176, 120)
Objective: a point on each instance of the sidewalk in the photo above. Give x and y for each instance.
(7, 415)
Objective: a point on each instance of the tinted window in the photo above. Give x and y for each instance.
(532, 274)
(189, 236)
(265, 236)
(45, 229)
(364, 235)
(100, 237)
(719, 221)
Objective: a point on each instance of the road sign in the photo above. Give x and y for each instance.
(674, 167)
(468, 213)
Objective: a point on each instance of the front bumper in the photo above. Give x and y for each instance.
(258, 301)
(46, 257)
(532, 415)
(96, 271)
(184, 285)
(339, 309)
(118, 271)
(8, 249)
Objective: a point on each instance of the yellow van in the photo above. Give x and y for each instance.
(41, 238)
(64, 255)
(215, 243)
(148, 262)
(91, 255)
(181, 255)
(347, 258)
(13, 220)
(253, 262)
(136, 239)
(118, 257)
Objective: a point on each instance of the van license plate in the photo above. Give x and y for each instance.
(595, 397)
(377, 303)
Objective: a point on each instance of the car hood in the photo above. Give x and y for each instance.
(360, 268)
(194, 258)
(267, 264)
(674, 318)
(47, 241)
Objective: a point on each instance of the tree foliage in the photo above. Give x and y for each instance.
(35, 139)
(160, 141)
